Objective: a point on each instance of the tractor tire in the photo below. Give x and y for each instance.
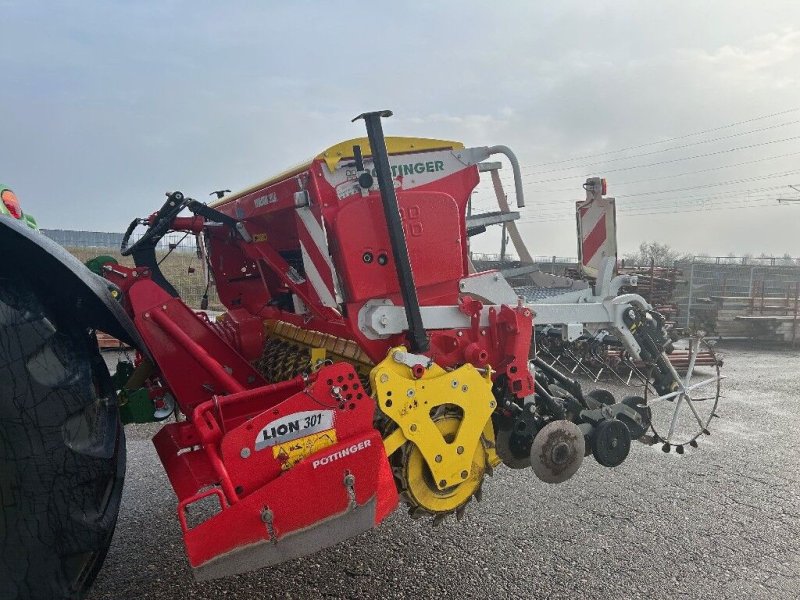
(62, 451)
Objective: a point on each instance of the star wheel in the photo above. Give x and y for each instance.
(683, 415)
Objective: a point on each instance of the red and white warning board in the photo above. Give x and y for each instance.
(597, 233)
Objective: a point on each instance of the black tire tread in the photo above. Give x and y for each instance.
(61, 453)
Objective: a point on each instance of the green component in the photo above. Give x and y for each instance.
(30, 221)
(96, 264)
(135, 406)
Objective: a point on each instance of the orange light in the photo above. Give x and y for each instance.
(12, 204)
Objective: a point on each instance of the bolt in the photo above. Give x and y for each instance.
(413, 427)
(492, 404)
(349, 480)
(454, 384)
(245, 453)
(464, 388)
(163, 307)
(266, 515)
(464, 474)
(460, 334)
(443, 483)
(483, 332)
(410, 392)
(460, 450)
(438, 458)
(384, 378)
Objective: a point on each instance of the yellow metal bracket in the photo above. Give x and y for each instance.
(317, 358)
(411, 403)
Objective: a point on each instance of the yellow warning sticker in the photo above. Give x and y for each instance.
(291, 452)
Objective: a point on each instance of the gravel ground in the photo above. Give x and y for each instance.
(718, 522)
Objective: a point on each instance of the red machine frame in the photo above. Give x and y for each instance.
(310, 248)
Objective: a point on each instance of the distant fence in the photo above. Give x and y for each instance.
(177, 253)
(703, 279)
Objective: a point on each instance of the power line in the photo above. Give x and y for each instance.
(708, 141)
(569, 206)
(674, 175)
(673, 203)
(732, 194)
(671, 161)
(774, 175)
(708, 185)
(713, 208)
(673, 139)
(751, 195)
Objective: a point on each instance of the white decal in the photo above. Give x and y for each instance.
(321, 462)
(408, 171)
(270, 198)
(294, 426)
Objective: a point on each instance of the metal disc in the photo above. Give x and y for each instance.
(164, 408)
(512, 448)
(557, 451)
(611, 442)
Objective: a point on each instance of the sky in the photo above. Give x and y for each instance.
(691, 110)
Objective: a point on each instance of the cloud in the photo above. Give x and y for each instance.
(108, 105)
(760, 53)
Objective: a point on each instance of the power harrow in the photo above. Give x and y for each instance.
(359, 361)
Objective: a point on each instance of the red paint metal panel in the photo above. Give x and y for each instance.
(337, 392)
(186, 370)
(431, 223)
(300, 498)
(597, 233)
(593, 241)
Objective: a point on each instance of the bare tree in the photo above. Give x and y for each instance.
(660, 254)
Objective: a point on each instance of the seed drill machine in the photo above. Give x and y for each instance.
(359, 364)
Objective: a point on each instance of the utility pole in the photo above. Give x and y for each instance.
(789, 200)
